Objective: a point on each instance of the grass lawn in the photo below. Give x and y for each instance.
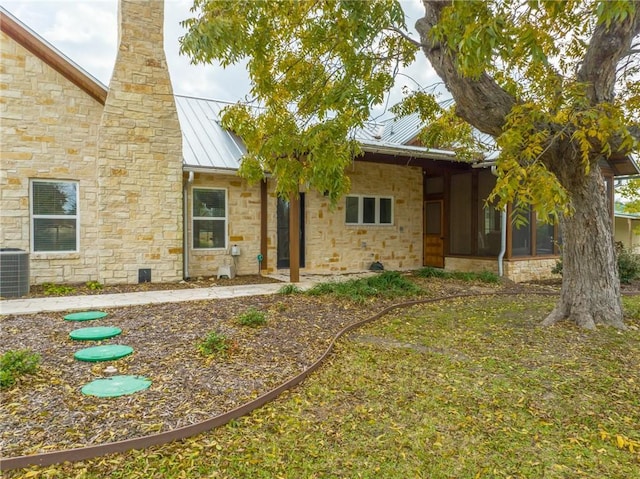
(468, 388)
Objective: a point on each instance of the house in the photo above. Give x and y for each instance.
(627, 227)
(131, 183)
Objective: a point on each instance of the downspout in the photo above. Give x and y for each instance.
(503, 233)
(185, 226)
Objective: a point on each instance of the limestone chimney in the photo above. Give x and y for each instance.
(140, 156)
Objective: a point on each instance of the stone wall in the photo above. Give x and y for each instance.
(331, 246)
(49, 130)
(243, 227)
(530, 269)
(140, 156)
(335, 247)
(475, 265)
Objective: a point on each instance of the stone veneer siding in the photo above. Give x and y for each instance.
(530, 269)
(49, 130)
(331, 246)
(140, 156)
(243, 226)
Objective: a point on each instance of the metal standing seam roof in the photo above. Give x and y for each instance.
(402, 130)
(205, 144)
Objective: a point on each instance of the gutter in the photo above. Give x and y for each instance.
(213, 171)
(503, 224)
(185, 219)
(407, 151)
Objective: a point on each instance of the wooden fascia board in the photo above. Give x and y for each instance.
(52, 58)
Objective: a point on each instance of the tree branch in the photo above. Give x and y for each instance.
(407, 37)
(608, 45)
(481, 102)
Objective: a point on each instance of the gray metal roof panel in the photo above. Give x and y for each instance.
(402, 130)
(205, 144)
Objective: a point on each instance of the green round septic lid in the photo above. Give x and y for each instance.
(103, 353)
(85, 316)
(94, 334)
(115, 386)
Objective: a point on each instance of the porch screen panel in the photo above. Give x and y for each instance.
(460, 214)
(544, 238)
(488, 217)
(521, 237)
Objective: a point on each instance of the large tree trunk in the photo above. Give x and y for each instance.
(590, 292)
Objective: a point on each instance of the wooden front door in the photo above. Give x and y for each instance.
(433, 233)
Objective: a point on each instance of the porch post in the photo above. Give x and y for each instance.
(294, 238)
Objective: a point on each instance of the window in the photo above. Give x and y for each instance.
(536, 238)
(54, 216)
(209, 218)
(489, 237)
(460, 234)
(544, 238)
(369, 210)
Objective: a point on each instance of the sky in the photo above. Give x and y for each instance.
(86, 31)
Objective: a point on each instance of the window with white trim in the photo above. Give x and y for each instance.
(369, 210)
(209, 218)
(54, 216)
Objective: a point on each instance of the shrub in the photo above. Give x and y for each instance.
(94, 285)
(488, 277)
(16, 363)
(388, 284)
(51, 289)
(628, 264)
(253, 318)
(289, 289)
(484, 276)
(430, 272)
(214, 344)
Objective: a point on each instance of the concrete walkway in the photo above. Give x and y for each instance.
(70, 303)
(64, 303)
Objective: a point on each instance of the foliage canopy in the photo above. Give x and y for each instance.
(316, 69)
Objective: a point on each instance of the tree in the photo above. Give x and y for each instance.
(554, 82)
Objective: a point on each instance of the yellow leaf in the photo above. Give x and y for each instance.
(620, 442)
